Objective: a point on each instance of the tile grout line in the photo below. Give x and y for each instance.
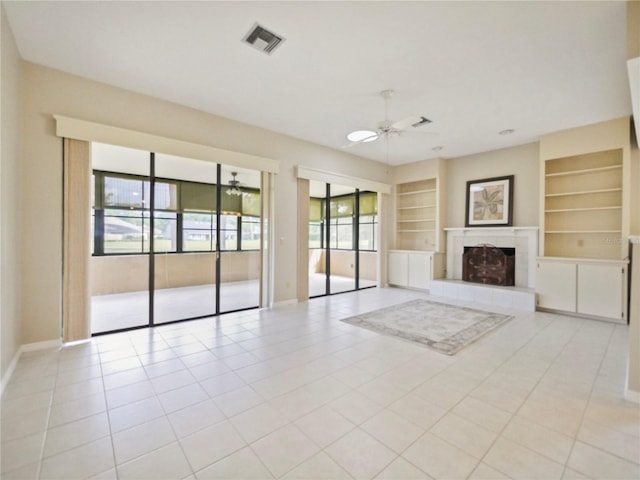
(46, 431)
(586, 407)
(106, 404)
(512, 415)
(564, 465)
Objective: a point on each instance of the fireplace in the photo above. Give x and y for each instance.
(489, 264)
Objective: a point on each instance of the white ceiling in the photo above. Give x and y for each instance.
(473, 68)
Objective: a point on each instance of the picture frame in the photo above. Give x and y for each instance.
(489, 202)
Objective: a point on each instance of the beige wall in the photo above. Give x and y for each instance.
(49, 91)
(412, 172)
(633, 28)
(522, 162)
(10, 213)
(342, 263)
(129, 273)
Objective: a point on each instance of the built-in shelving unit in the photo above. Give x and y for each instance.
(416, 215)
(416, 254)
(585, 221)
(583, 205)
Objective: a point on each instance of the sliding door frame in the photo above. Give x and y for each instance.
(326, 242)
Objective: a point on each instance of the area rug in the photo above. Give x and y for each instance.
(441, 327)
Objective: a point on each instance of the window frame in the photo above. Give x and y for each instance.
(99, 214)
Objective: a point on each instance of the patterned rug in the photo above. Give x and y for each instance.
(441, 327)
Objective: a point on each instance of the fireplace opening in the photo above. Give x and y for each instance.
(489, 264)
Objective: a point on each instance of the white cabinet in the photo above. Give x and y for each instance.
(602, 290)
(398, 269)
(556, 285)
(407, 268)
(594, 288)
(420, 270)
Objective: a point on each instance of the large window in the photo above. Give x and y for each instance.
(121, 214)
(316, 222)
(341, 222)
(198, 232)
(342, 211)
(185, 216)
(368, 221)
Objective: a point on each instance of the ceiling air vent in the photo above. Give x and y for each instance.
(262, 39)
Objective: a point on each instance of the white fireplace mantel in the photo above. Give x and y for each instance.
(496, 230)
(523, 239)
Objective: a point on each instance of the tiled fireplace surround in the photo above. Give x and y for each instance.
(520, 297)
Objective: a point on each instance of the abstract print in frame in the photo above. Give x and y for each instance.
(489, 202)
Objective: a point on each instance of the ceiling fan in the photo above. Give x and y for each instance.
(387, 128)
(234, 183)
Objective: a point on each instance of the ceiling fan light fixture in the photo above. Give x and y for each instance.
(234, 191)
(362, 136)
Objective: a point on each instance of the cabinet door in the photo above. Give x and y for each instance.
(420, 270)
(600, 290)
(398, 271)
(556, 286)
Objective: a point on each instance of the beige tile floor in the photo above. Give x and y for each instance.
(126, 310)
(292, 392)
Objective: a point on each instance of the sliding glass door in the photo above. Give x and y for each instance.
(341, 247)
(342, 239)
(239, 239)
(184, 257)
(121, 238)
(173, 239)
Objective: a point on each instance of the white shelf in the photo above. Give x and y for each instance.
(416, 192)
(485, 229)
(583, 171)
(418, 220)
(417, 204)
(573, 232)
(416, 207)
(585, 209)
(584, 192)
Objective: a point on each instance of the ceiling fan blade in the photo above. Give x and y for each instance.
(412, 121)
(417, 133)
(407, 122)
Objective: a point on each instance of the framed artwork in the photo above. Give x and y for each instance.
(489, 202)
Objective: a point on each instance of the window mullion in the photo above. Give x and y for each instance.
(179, 232)
(98, 210)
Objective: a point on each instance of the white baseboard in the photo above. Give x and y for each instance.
(32, 347)
(76, 342)
(286, 302)
(12, 366)
(27, 347)
(632, 396)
